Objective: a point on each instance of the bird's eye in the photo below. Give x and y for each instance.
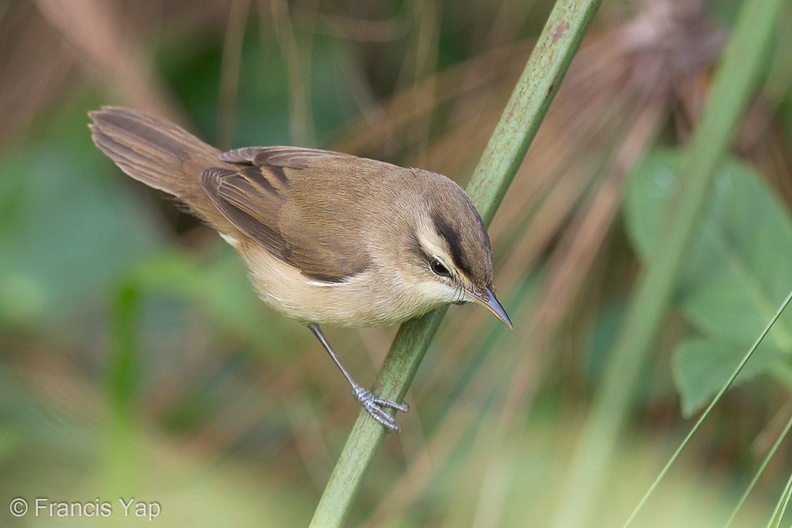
(438, 268)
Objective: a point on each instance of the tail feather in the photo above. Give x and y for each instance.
(156, 152)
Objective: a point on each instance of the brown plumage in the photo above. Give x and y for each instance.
(327, 237)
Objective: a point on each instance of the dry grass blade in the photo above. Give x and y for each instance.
(298, 61)
(27, 39)
(231, 69)
(98, 35)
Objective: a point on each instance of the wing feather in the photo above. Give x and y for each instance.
(258, 199)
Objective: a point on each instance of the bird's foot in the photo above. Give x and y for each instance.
(376, 407)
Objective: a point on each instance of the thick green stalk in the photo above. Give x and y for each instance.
(507, 147)
(735, 81)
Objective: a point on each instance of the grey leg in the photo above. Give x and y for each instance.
(373, 405)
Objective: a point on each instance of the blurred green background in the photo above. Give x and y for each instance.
(135, 361)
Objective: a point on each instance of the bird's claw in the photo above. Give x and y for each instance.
(376, 407)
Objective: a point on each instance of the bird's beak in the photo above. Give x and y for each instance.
(488, 299)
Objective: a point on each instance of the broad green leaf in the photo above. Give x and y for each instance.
(739, 269)
(738, 273)
(702, 366)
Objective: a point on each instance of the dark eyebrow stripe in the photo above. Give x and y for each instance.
(454, 241)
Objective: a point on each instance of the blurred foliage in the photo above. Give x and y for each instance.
(735, 280)
(53, 251)
(136, 361)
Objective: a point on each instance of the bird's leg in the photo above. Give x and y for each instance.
(373, 405)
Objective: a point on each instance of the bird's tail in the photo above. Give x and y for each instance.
(156, 152)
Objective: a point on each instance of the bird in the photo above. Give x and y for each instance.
(328, 238)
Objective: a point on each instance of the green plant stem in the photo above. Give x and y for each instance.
(505, 151)
(119, 461)
(781, 506)
(759, 472)
(733, 84)
(746, 358)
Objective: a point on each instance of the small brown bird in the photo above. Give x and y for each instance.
(328, 238)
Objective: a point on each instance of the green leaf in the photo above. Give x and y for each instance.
(737, 274)
(739, 269)
(702, 366)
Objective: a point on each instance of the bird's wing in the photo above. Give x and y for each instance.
(266, 199)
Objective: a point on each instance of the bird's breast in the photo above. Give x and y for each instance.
(369, 298)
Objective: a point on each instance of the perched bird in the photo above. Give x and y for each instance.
(328, 238)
